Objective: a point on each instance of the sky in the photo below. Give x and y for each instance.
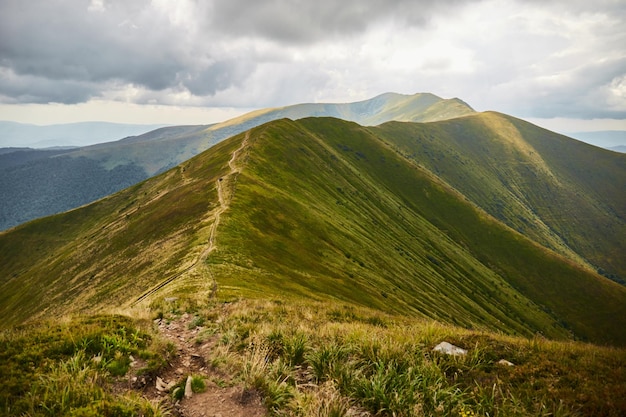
(560, 64)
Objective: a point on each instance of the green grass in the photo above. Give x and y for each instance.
(389, 368)
(314, 359)
(367, 226)
(323, 210)
(565, 194)
(65, 369)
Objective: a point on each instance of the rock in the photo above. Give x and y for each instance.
(504, 362)
(449, 349)
(97, 359)
(188, 390)
(161, 386)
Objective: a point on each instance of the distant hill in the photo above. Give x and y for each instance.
(14, 134)
(99, 170)
(325, 209)
(608, 139)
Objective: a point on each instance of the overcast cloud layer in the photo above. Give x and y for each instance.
(527, 58)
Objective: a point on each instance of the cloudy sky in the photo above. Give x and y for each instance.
(559, 62)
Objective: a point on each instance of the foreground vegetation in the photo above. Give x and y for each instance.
(309, 359)
(53, 369)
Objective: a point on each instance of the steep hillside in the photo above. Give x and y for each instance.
(565, 194)
(109, 167)
(315, 209)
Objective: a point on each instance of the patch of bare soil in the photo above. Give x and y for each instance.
(194, 359)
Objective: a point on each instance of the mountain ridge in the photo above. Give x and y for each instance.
(323, 209)
(534, 186)
(156, 151)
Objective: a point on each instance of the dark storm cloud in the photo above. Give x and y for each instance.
(32, 89)
(82, 45)
(530, 60)
(66, 46)
(305, 21)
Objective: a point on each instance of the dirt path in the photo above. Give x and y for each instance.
(224, 195)
(194, 354)
(222, 397)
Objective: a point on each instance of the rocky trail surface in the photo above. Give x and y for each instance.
(222, 396)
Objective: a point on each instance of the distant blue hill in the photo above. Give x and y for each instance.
(14, 134)
(614, 140)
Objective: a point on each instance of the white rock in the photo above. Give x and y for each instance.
(449, 349)
(161, 386)
(504, 362)
(188, 390)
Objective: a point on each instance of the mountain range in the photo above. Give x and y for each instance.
(481, 220)
(14, 134)
(37, 183)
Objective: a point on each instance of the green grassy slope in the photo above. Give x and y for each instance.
(567, 195)
(362, 223)
(109, 167)
(109, 252)
(322, 209)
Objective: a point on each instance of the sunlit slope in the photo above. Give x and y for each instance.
(315, 209)
(565, 194)
(167, 147)
(420, 107)
(360, 222)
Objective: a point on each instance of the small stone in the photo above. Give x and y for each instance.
(161, 386)
(449, 349)
(504, 362)
(188, 390)
(97, 359)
